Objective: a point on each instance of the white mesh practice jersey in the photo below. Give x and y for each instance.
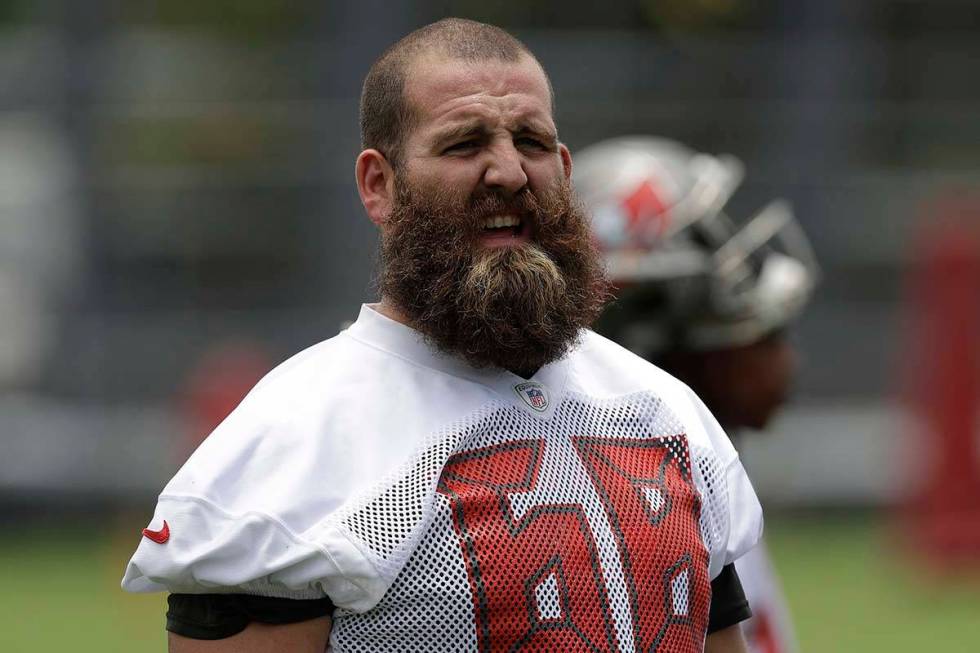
(443, 508)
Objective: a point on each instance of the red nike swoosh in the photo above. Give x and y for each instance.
(159, 536)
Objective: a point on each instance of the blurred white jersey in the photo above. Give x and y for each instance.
(770, 630)
(443, 508)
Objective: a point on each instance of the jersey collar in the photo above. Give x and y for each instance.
(536, 396)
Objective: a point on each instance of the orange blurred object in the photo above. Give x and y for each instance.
(215, 387)
(943, 515)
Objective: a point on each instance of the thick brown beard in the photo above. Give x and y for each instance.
(515, 307)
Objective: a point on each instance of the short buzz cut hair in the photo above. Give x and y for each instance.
(385, 115)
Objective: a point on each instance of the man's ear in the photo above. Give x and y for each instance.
(566, 160)
(375, 184)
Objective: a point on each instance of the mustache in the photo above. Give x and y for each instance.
(495, 203)
(467, 213)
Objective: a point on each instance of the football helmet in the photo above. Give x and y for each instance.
(687, 274)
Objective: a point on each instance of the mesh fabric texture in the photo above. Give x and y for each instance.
(591, 531)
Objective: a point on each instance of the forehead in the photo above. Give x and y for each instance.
(442, 90)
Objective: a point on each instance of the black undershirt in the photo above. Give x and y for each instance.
(728, 603)
(217, 616)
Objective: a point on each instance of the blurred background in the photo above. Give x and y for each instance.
(178, 215)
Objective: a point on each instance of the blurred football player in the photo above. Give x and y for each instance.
(705, 297)
(467, 467)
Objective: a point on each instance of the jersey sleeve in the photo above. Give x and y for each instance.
(733, 513)
(212, 550)
(253, 511)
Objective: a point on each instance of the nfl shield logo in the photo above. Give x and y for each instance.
(533, 394)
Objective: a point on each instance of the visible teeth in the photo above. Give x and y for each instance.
(501, 221)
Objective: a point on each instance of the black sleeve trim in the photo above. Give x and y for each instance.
(728, 603)
(217, 616)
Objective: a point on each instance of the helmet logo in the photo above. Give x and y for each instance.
(646, 213)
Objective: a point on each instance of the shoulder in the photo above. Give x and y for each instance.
(278, 477)
(324, 425)
(607, 373)
(604, 369)
(303, 376)
(280, 407)
(298, 423)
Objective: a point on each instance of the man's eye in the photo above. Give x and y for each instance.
(462, 146)
(529, 141)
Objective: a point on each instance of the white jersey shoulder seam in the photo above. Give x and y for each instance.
(257, 513)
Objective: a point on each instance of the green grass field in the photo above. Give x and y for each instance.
(848, 589)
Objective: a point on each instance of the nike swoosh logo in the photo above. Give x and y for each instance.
(159, 536)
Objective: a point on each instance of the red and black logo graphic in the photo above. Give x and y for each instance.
(537, 580)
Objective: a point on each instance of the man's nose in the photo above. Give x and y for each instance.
(505, 169)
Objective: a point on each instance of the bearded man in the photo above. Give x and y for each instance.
(467, 467)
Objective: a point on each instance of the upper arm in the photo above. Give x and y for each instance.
(303, 637)
(727, 640)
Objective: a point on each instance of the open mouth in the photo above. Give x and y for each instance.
(503, 225)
